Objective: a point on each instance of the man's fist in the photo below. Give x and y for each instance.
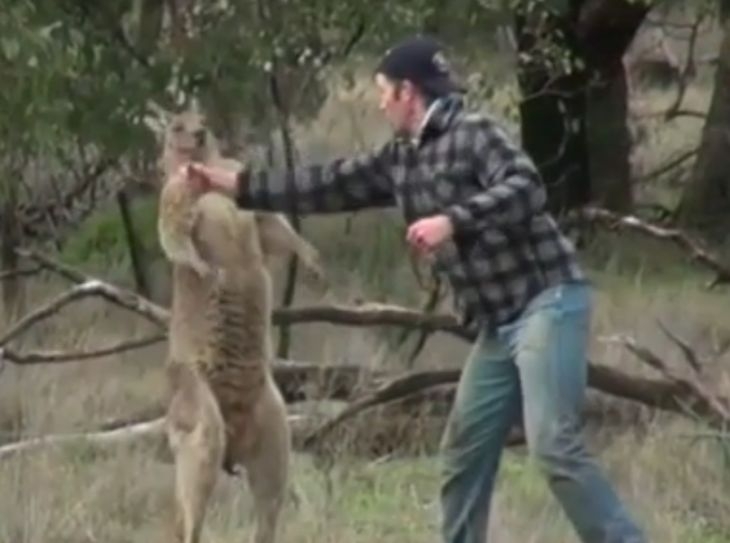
(428, 233)
(211, 178)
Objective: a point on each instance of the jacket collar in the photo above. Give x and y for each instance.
(439, 117)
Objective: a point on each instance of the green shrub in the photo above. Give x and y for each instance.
(100, 242)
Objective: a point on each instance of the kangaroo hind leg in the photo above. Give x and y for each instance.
(196, 433)
(267, 471)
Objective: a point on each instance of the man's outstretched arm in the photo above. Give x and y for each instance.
(340, 185)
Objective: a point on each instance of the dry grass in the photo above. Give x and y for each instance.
(676, 486)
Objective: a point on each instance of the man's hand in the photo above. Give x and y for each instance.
(212, 178)
(427, 234)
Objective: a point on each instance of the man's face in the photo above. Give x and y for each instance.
(397, 103)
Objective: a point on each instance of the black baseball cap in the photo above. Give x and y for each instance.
(421, 60)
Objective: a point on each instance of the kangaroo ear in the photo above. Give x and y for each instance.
(195, 105)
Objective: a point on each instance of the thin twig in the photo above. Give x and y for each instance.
(23, 272)
(688, 69)
(703, 402)
(662, 114)
(689, 355)
(67, 272)
(672, 164)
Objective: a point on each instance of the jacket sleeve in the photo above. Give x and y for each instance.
(340, 185)
(513, 190)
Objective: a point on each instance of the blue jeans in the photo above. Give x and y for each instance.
(536, 368)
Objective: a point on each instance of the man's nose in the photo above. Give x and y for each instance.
(200, 136)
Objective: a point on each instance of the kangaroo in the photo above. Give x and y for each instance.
(225, 409)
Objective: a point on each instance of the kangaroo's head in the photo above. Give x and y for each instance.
(188, 138)
(184, 137)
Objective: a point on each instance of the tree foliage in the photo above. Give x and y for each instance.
(78, 75)
(82, 72)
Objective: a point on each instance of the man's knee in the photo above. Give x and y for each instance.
(453, 441)
(464, 448)
(557, 447)
(453, 433)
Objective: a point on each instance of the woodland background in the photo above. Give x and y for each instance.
(625, 107)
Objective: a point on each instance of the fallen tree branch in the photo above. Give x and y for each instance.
(75, 293)
(371, 314)
(351, 380)
(367, 314)
(670, 394)
(46, 357)
(122, 434)
(398, 389)
(119, 435)
(659, 394)
(369, 439)
(681, 239)
(298, 380)
(97, 287)
(84, 290)
(305, 381)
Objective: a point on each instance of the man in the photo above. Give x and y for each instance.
(474, 202)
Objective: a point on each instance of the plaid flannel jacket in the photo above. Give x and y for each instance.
(506, 247)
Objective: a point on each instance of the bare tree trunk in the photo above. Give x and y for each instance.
(134, 246)
(574, 124)
(609, 143)
(706, 200)
(12, 286)
(605, 30)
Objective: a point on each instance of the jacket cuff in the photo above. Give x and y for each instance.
(461, 219)
(242, 189)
